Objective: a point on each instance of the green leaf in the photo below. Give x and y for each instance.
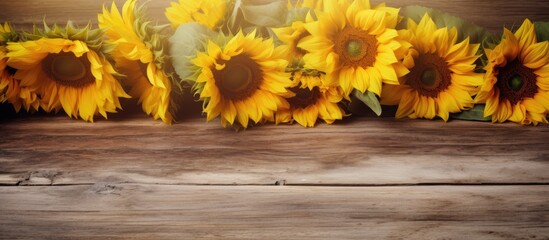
(297, 14)
(188, 39)
(465, 29)
(264, 13)
(370, 99)
(542, 30)
(474, 114)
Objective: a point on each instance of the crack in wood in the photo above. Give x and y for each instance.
(25, 178)
(106, 189)
(38, 178)
(280, 182)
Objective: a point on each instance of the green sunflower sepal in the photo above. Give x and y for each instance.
(9, 36)
(93, 37)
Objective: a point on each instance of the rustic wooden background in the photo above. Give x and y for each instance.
(362, 178)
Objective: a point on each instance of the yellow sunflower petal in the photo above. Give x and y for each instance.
(346, 46)
(441, 77)
(206, 12)
(516, 88)
(243, 80)
(68, 75)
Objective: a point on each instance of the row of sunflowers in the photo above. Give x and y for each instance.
(252, 62)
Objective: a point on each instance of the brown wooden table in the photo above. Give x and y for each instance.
(362, 178)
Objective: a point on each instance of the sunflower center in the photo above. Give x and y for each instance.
(67, 69)
(304, 97)
(430, 75)
(239, 79)
(355, 47)
(516, 82)
(11, 71)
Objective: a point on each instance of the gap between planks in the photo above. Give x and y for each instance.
(289, 184)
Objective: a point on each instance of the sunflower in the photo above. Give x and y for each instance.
(6, 76)
(10, 89)
(441, 79)
(67, 68)
(311, 101)
(292, 35)
(243, 79)
(206, 12)
(517, 78)
(6, 73)
(139, 54)
(358, 49)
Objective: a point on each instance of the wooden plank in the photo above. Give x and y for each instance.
(490, 14)
(363, 151)
(129, 211)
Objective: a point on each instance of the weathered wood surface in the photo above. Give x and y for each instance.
(129, 211)
(363, 178)
(361, 151)
(492, 14)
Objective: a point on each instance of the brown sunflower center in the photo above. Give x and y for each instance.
(430, 75)
(239, 79)
(304, 97)
(11, 71)
(67, 69)
(516, 82)
(356, 47)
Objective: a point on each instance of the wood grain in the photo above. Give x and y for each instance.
(491, 14)
(364, 178)
(130, 211)
(363, 151)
